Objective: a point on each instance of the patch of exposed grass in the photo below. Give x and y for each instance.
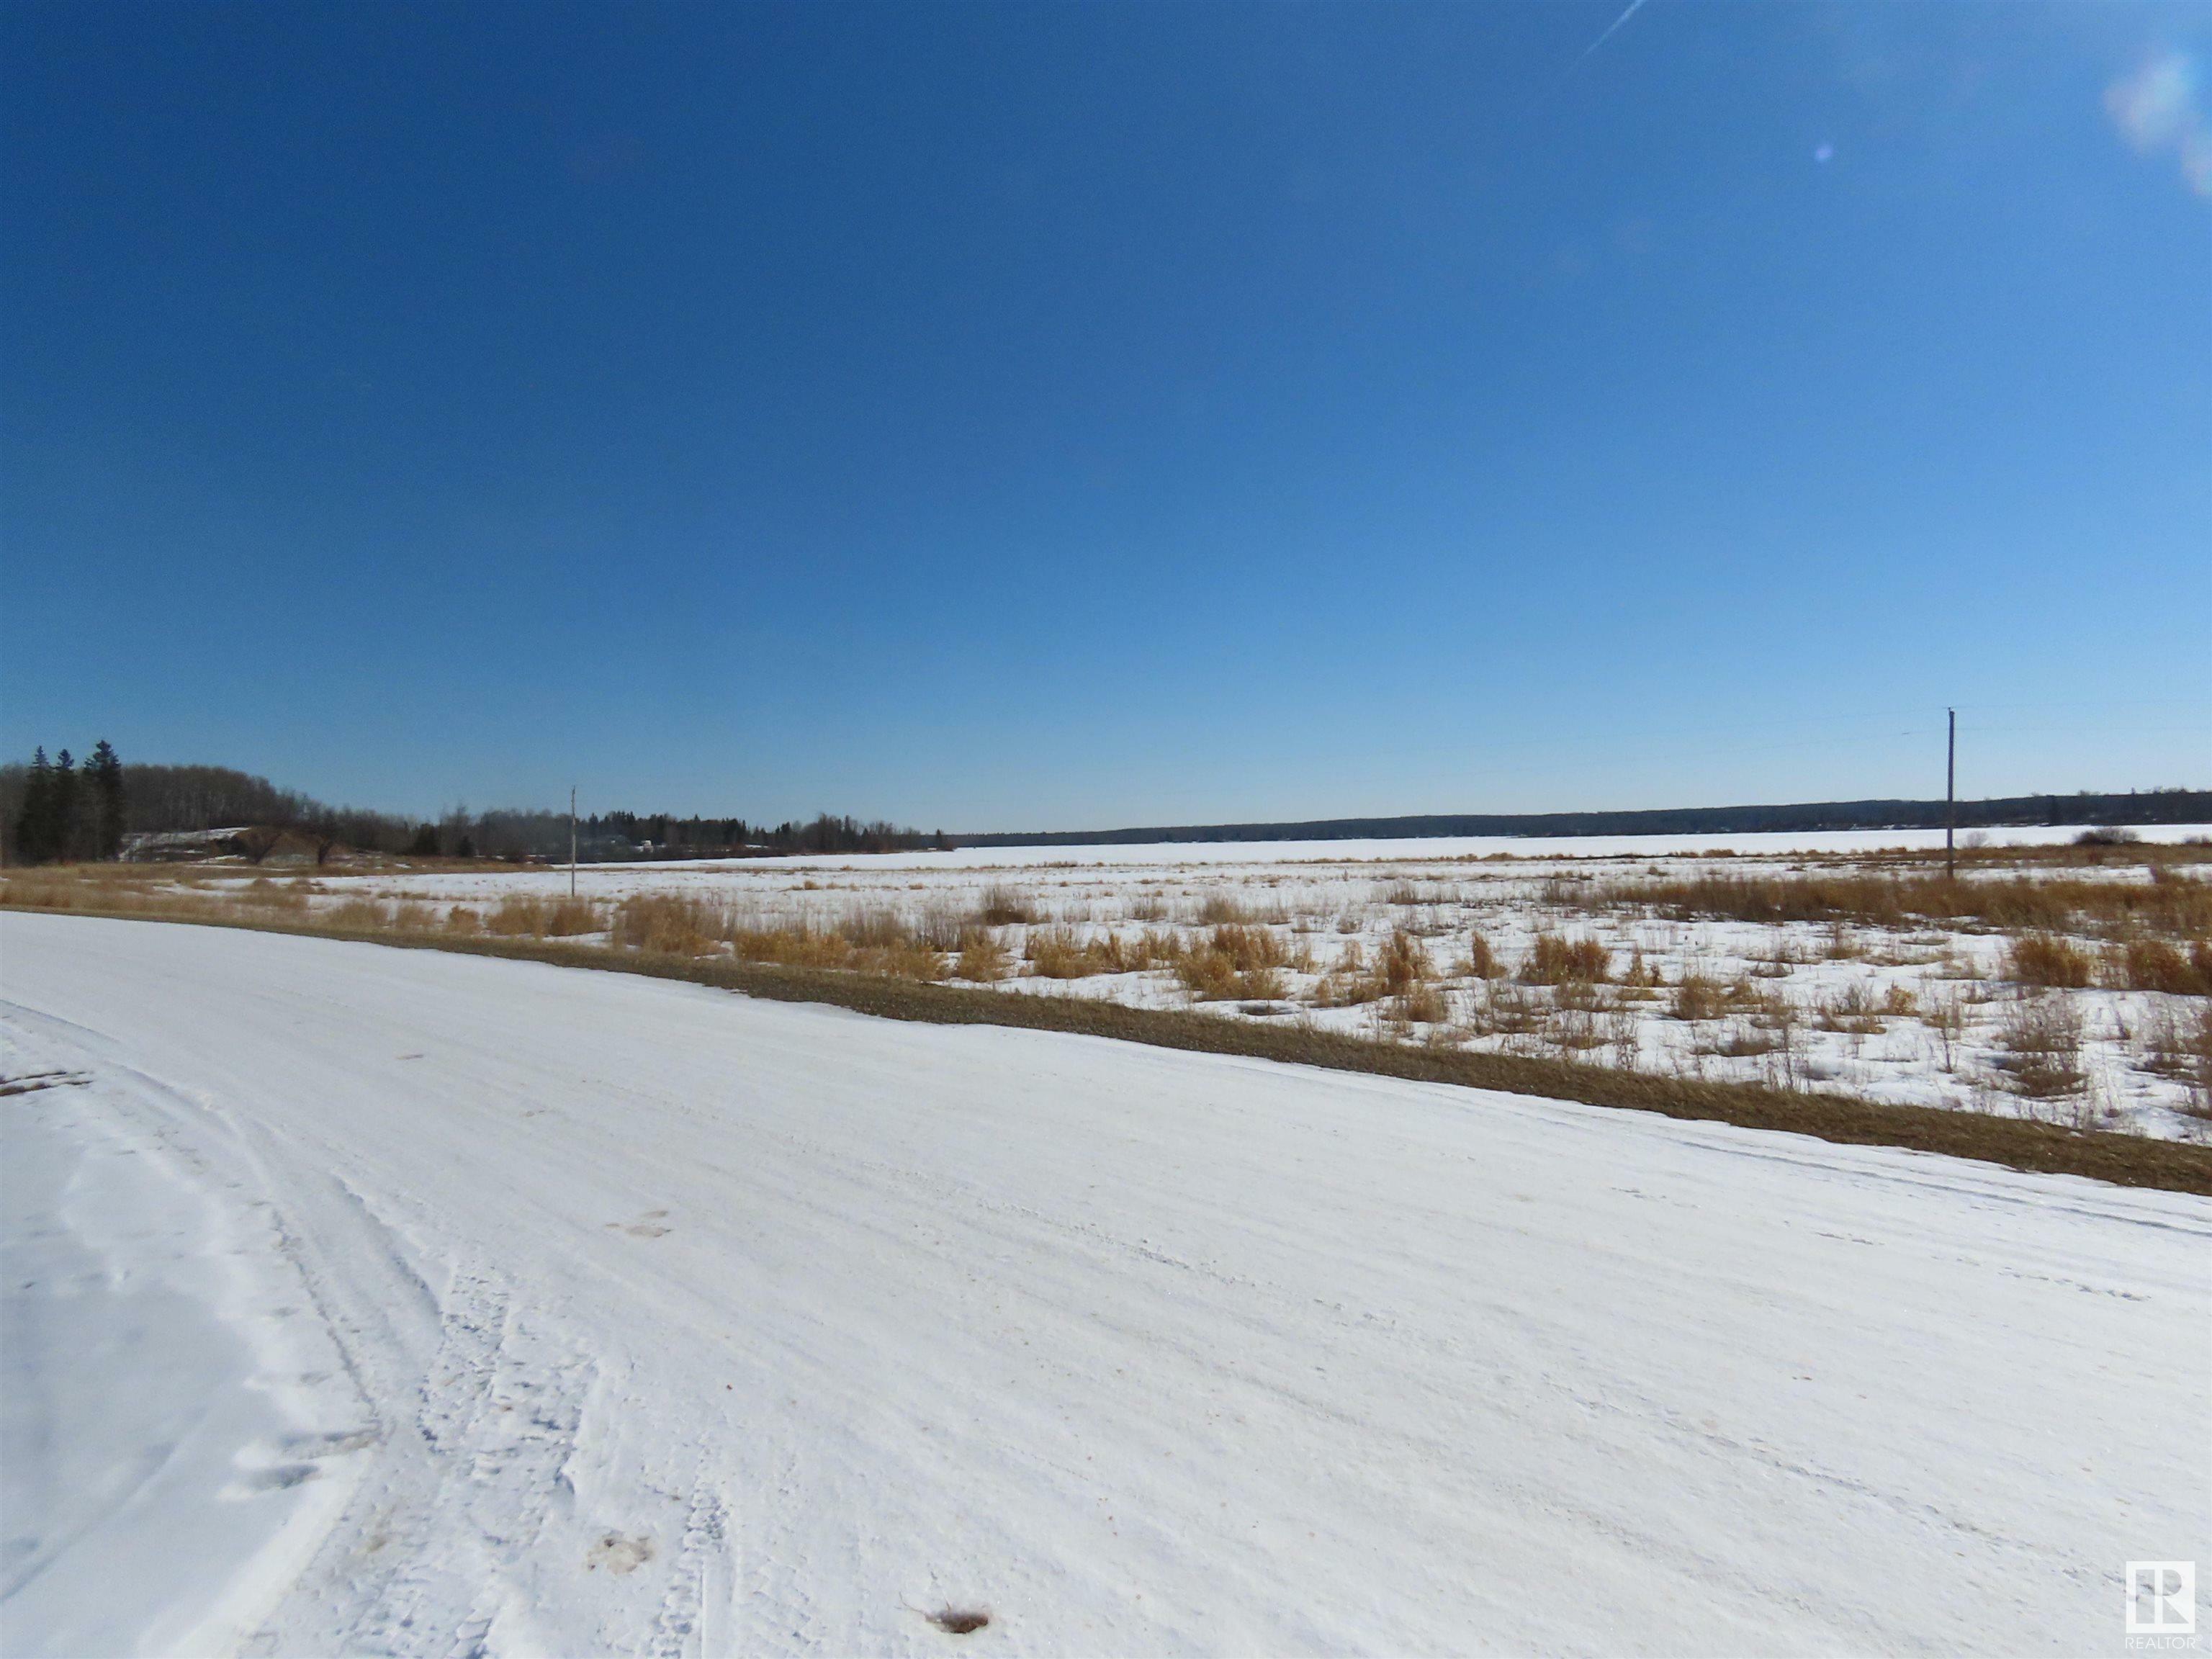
(2170, 902)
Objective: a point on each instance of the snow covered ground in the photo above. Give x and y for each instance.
(365, 1300)
(1430, 847)
(1914, 1013)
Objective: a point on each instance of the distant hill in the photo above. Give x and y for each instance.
(2150, 807)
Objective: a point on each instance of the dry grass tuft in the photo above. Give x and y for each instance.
(1234, 962)
(1005, 907)
(984, 960)
(2042, 1039)
(1554, 960)
(2153, 964)
(667, 924)
(1481, 961)
(2047, 962)
(1699, 997)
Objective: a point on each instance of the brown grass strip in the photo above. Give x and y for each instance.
(2016, 1143)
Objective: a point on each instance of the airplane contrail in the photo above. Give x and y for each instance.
(1634, 6)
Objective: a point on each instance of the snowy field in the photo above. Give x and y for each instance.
(1432, 848)
(363, 1300)
(1439, 941)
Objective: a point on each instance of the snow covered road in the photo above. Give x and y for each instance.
(533, 1309)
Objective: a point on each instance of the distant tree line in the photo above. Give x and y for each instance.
(2142, 807)
(55, 809)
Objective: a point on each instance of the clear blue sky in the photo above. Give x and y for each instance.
(1056, 416)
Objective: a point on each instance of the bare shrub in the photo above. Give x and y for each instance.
(1946, 1016)
(1218, 909)
(2047, 962)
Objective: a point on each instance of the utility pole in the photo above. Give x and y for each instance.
(572, 841)
(1951, 801)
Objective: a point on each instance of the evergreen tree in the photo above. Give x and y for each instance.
(103, 774)
(65, 830)
(31, 827)
(425, 844)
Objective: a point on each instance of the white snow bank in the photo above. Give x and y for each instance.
(696, 1324)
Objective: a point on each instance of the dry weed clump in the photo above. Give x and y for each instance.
(667, 924)
(1063, 953)
(982, 959)
(355, 916)
(1555, 960)
(1851, 1011)
(2047, 962)
(1699, 997)
(1004, 907)
(1234, 961)
(2153, 964)
(2042, 1039)
(285, 897)
(798, 946)
(1402, 971)
(1481, 961)
(2178, 1043)
(526, 916)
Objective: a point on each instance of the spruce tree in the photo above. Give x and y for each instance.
(104, 774)
(32, 826)
(64, 830)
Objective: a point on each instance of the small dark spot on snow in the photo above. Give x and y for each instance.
(959, 1621)
(283, 1475)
